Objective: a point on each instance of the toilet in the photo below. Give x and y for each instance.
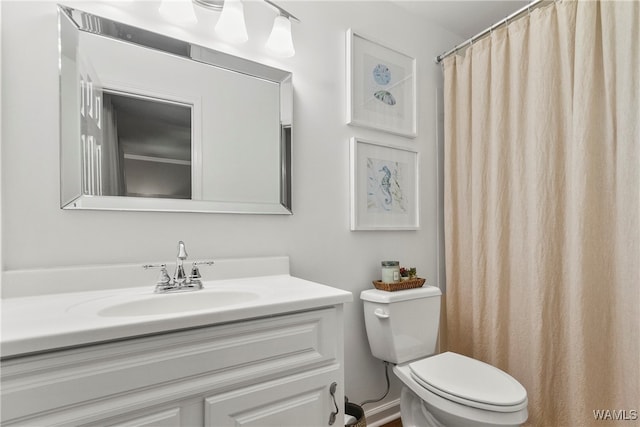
(446, 389)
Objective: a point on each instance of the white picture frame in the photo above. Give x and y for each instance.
(384, 187)
(381, 92)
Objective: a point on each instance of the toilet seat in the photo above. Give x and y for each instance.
(469, 382)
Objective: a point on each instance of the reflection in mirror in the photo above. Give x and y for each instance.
(145, 148)
(153, 123)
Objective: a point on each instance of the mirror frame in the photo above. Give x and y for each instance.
(71, 194)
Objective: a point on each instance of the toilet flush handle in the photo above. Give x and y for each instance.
(381, 314)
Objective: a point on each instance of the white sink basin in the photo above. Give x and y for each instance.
(45, 322)
(171, 303)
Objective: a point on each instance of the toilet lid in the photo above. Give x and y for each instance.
(468, 381)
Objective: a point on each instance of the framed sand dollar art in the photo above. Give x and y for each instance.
(381, 91)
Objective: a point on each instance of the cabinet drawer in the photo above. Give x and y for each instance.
(123, 376)
(301, 400)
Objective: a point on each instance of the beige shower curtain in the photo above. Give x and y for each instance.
(542, 190)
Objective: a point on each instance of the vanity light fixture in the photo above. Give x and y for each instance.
(280, 41)
(231, 25)
(178, 10)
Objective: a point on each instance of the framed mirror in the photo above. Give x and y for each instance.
(152, 123)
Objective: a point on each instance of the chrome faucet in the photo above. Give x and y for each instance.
(179, 278)
(180, 281)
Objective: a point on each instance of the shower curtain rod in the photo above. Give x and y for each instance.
(534, 4)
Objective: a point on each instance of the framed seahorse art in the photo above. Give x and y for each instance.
(384, 187)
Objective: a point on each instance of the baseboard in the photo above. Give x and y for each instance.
(383, 414)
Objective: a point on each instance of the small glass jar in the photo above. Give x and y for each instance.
(390, 271)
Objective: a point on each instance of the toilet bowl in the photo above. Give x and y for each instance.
(446, 389)
(459, 391)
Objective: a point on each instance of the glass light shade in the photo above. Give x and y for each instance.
(180, 11)
(230, 25)
(280, 41)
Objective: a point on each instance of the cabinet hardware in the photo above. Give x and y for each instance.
(332, 392)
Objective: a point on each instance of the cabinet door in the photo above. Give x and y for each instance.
(296, 401)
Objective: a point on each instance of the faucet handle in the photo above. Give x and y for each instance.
(208, 262)
(164, 278)
(195, 271)
(194, 266)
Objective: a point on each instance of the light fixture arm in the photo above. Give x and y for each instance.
(282, 11)
(216, 5)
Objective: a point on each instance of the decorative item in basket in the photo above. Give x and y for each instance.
(399, 286)
(408, 273)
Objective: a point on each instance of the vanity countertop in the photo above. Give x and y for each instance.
(46, 322)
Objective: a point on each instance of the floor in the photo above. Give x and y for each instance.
(395, 423)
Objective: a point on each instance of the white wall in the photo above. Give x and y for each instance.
(36, 233)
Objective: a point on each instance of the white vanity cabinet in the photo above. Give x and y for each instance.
(271, 371)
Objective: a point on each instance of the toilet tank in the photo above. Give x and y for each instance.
(402, 325)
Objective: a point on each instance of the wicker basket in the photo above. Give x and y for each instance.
(399, 286)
